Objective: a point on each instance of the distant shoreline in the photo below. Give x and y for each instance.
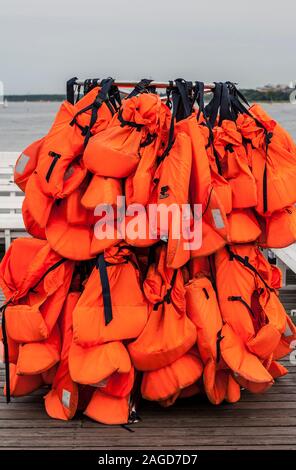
(270, 96)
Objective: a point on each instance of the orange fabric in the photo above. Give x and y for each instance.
(272, 237)
(65, 142)
(247, 303)
(170, 190)
(116, 151)
(168, 333)
(26, 163)
(234, 163)
(32, 315)
(62, 400)
(129, 306)
(102, 190)
(272, 155)
(108, 409)
(161, 384)
(203, 311)
(92, 365)
(243, 226)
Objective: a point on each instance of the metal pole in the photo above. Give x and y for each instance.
(131, 84)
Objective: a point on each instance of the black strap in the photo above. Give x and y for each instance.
(115, 98)
(206, 293)
(167, 296)
(199, 96)
(175, 104)
(226, 112)
(218, 345)
(124, 123)
(70, 90)
(55, 157)
(6, 351)
(140, 87)
(102, 267)
(265, 190)
(184, 89)
(169, 93)
(52, 268)
(100, 99)
(78, 94)
(212, 109)
(237, 298)
(247, 264)
(217, 159)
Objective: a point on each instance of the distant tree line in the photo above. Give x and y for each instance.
(251, 95)
(35, 97)
(267, 95)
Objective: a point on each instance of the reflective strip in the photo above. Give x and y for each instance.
(21, 164)
(288, 331)
(218, 219)
(66, 396)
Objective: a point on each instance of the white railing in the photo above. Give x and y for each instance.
(11, 199)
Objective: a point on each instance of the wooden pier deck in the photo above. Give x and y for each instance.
(266, 421)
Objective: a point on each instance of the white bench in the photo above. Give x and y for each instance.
(11, 199)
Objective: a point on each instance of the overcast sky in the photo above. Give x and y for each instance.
(44, 42)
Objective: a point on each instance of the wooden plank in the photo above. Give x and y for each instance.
(100, 438)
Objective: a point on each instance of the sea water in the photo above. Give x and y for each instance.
(22, 123)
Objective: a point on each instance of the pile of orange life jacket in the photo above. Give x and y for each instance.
(102, 322)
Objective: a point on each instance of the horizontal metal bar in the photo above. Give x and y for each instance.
(131, 84)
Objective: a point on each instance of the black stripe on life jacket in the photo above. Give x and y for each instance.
(149, 139)
(54, 266)
(141, 86)
(206, 293)
(237, 298)
(55, 157)
(268, 137)
(167, 296)
(102, 267)
(133, 124)
(247, 264)
(218, 345)
(6, 351)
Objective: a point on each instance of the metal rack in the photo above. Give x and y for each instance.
(133, 83)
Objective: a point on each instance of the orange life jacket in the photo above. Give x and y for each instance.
(169, 333)
(116, 151)
(66, 139)
(112, 306)
(243, 226)
(272, 156)
(62, 400)
(232, 156)
(248, 303)
(35, 292)
(169, 381)
(171, 188)
(272, 236)
(60, 169)
(26, 163)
